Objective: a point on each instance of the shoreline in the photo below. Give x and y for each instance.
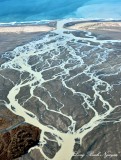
(34, 27)
(17, 35)
(101, 29)
(13, 36)
(25, 29)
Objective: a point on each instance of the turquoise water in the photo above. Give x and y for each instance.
(37, 10)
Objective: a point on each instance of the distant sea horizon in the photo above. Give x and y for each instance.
(37, 11)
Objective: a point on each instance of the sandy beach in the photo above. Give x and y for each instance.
(13, 36)
(25, 29)
(111, 30)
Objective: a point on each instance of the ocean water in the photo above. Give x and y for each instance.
(37, 10)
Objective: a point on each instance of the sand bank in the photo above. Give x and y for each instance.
(25, 29)
(14, 36)
(111, 30)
